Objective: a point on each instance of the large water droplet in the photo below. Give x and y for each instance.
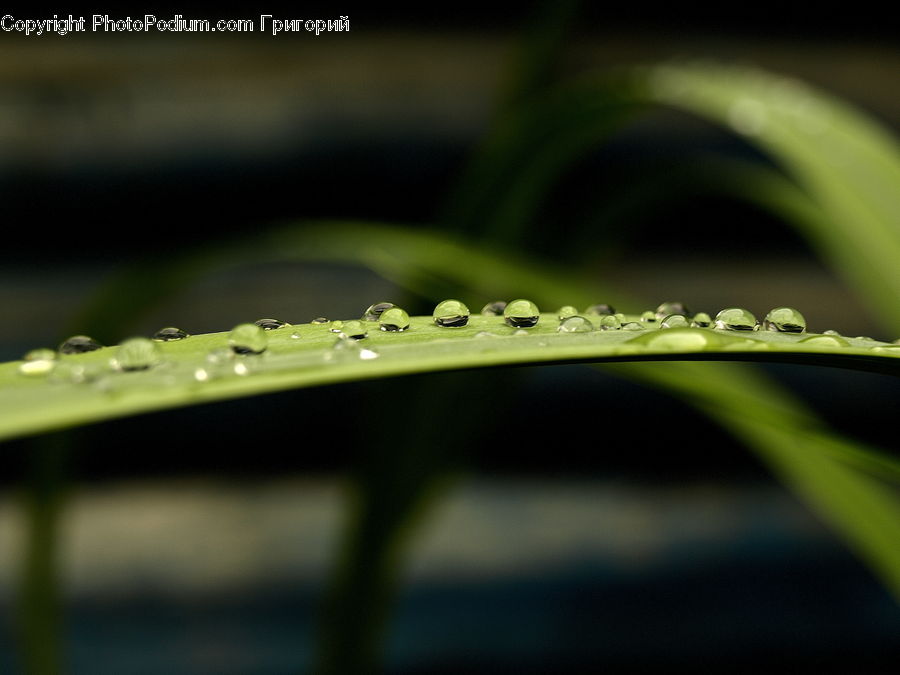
(610, 322)
(394, 320)
(670, 308)
(271, 324)
(600, 309)
(675, 321)
(355, 330)
(825, 341)
(736, 318)
(319, 320)
(494, 308)
(701, 320)
(248, 338)
(785, 320)
(38, 362)
(79, 344)
(169, 334)
(575, 324)
(136, 354)
(522, 314)
(374, 312)
(451, 314)
(677, 339)
(565, 312)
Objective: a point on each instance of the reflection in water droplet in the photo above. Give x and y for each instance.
(610, 322)
(575, 324)
(675, 321)
(374, 312)
(736, 318)
(248, 338)
(136, 354)
(451, 314)
(785, 320)
(270, 324)
(522, 314)
(355, 330)
(319, 320)
(169, 334)
(825, 341)
(701, 320)
(79, 344)
(494, 308)
(648, 316)
(633, 325)
(394, 320)
(565, 312)
(669, 308)
(600, 309)
(38, 362)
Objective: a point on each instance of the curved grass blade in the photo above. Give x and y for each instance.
(87, 389)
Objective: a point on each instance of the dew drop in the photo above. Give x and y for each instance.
(485, 334)
(355, 330)
(346, 347)
(600, 309)
(620, 317)
(295, 335)
(701, 320)
(648, 316)
(633, 325)
(565, 312)
(136, 354)
(451, 314)
(669, 308)
(248, 338)
(785, 320)
(830, 332)
(271, 324)
(520, 332)
(374, 312)
(575, 324)
(675, 321)
(494, 308)
(825, 341)
(169, 334)
(736, 318)
(319, 320)
(522, 314)
(680, 339)
(79, 344)
(610, 322)
(38, 362)
(394, 320)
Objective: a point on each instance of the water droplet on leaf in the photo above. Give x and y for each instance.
(169, 334)
(736, 318)
(633, 325)
(575, 324)
(670, 308)
(355, 330)
(677, 339)
(38, 362)
(675, 321)
(79, 344)
(566, 311)
(785, 320)
(825, 341)
(494, 308)
(648, 317)
(270, 324)
(336, 326)
(701, 320)
(394, 320)
(451, 314)
(374, 312)
(610, 322)
(248, 338)
(521, 314)
(319, 320)
(136, 354)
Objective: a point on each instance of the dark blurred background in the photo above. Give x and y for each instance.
(199, 540)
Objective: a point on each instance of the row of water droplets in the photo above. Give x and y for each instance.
(250, 339)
